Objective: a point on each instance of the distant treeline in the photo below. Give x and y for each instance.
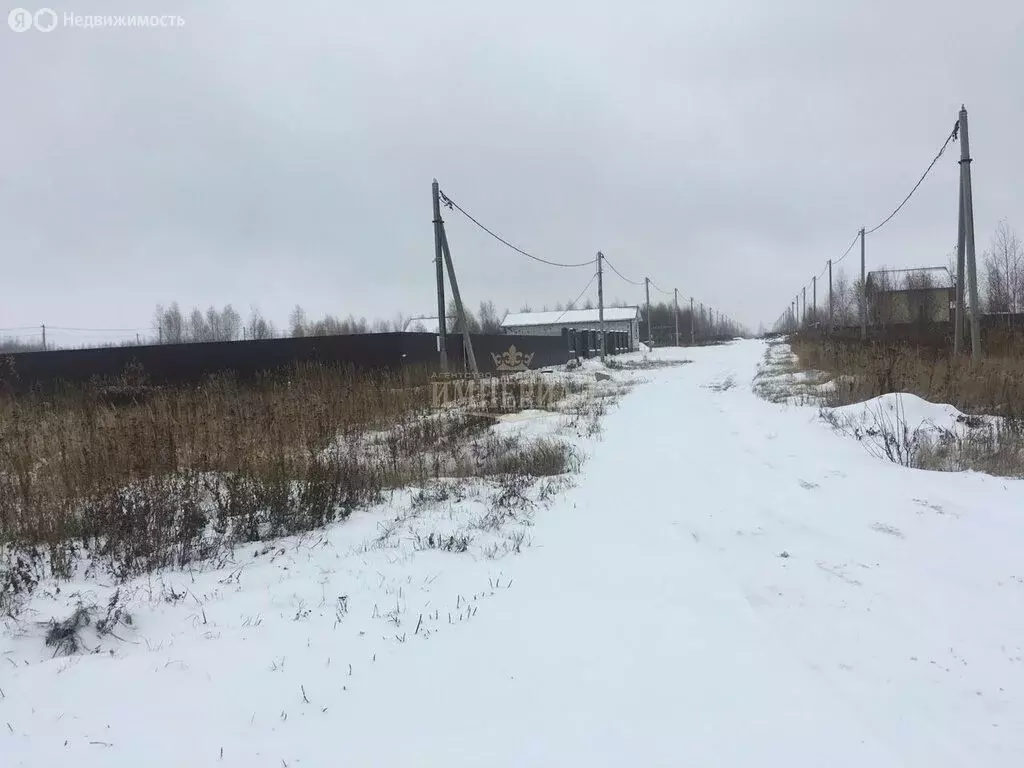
(172, 325)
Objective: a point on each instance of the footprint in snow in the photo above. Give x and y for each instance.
(933, 507)
(837, 571)
(883, 528)
(807, 485)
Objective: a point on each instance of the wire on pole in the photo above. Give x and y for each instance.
(631, 282)
(887, 219)
(662, 290)
(848, 248)
(452, 205)
(98, 330)
(572, 304)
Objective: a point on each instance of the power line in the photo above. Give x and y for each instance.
(98, 330)
(951, 137)
(667, 293)
(572, 304)
(451, 204)
(848, 249)
(632, 282)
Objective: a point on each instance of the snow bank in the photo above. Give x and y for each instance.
(899, 410)
(906, 413)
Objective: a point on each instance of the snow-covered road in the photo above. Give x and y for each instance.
(730, 583)
(660, 624)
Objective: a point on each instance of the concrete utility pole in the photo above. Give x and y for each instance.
(830, 295)
(863, 292)
(968, 210)
(676, 292)
(467, 340)
(647, 290)
(805, 306)
(960, 318)
(692, 324)
(44, 336)
(600, 302)
(442, 330)
(814, 302)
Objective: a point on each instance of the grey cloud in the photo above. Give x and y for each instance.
(275, 155)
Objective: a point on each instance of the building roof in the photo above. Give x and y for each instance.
(941, 277)
(426, 325)
(569, 317)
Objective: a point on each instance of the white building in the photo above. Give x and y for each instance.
(625, 319)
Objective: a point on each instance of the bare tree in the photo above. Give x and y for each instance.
(456, 326)
(14, 344)
(196, 330)
(858, 301)
(170, 324)
(490, 321)
(297, 322)
(842, 300)
(222, 325)
(258, 327)
(1004, 271)
(398, 322)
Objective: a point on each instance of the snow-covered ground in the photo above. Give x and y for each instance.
(727, 582)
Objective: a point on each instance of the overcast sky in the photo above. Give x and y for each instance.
(273, 154)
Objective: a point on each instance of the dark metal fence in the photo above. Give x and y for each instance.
(180, 364)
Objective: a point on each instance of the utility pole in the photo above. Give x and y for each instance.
(44, 336)
(830, 296)
(647, 290)
(460, 312)
(814, 304)
(442, 331)
(692, 328)
(600, 301)
(968, 212)
(676, 292)
(863, 292)
(960, 318)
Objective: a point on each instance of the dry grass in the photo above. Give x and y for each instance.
(993, 386)
(129, 480)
